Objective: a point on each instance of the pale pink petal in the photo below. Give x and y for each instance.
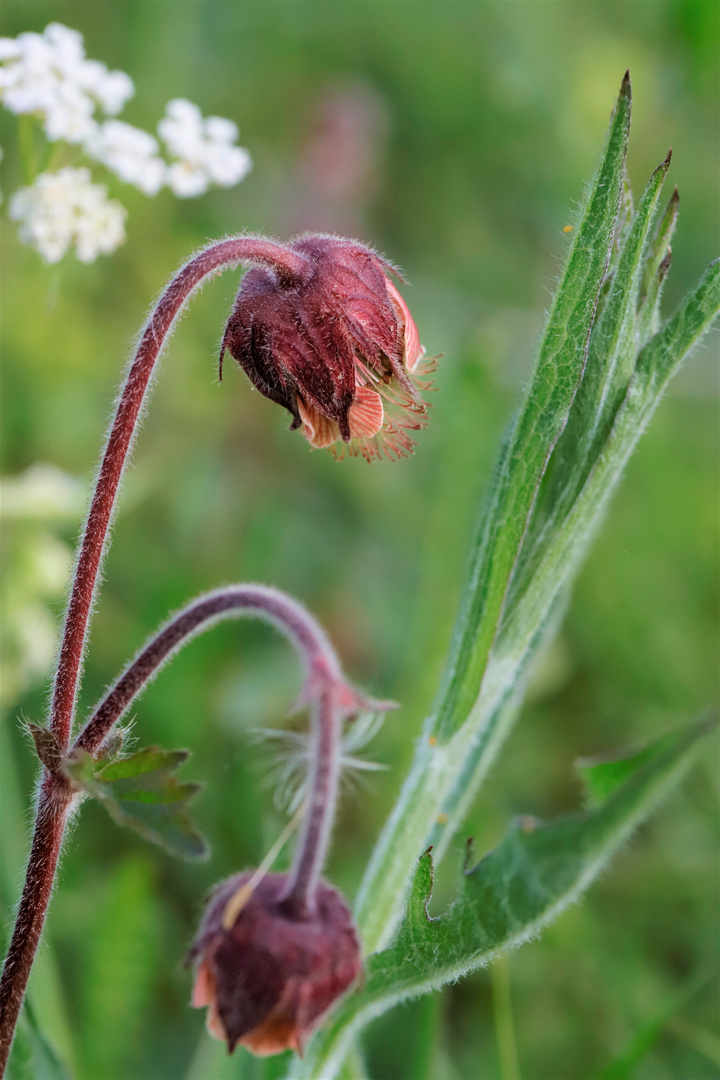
(214, 1024)
(203, 991)
(413, 349)
(317, 428)
(366, 414)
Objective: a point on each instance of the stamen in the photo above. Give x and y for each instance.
(240, 898)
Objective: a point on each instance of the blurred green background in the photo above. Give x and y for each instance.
(455, 137)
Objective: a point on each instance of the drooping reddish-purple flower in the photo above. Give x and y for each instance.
(337, 347)
(269, 977)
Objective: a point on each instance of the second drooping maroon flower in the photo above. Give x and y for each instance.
(269, 974)
(337, 347)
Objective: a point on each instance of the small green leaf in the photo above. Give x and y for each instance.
(535, 872)
(140, 792)
(603, 775)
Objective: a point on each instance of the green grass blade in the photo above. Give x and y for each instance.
(33, 1057)
(624, 1065)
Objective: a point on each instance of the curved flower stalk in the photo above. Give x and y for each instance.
(274, 951)
(307, 941)
(291, 271)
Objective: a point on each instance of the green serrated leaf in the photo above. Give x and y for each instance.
(539, 424)
(511, 894)
(445, 774)
(140, 792)
(149, 760)
(524, 453)
(602, 776)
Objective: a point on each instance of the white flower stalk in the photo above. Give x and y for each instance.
(66, 209)
(49, 76)
(203, 148)
(129, 152)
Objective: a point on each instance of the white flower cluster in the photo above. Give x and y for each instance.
(130, 153)
(49, 76)
(204, 150)
(64, 209)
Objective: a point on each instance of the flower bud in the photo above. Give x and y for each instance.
(271, 975)
(336, 346)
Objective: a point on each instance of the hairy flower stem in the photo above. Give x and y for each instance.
(220, 256)
(52, 814)
(54, 795)
(311, 850)
(333, 700)
(322, 667)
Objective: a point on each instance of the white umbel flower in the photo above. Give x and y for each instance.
(203, 148)
(64, 209)
(129, 152)
(49, 76)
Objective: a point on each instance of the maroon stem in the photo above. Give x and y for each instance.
(312, 848)
(322, 668)
(54, 798)
(52, 812)
(219, 256)
(324, 684)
